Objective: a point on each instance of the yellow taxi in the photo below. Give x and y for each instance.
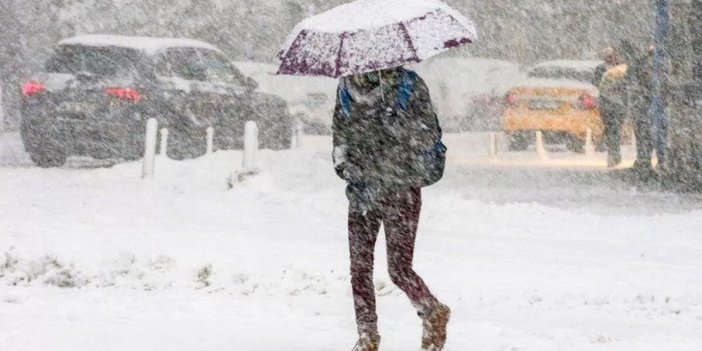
(558, 98)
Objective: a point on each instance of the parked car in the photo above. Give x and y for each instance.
(557, 98)
(311, 99)
(97, 91)
(468, 92)
(484, 111)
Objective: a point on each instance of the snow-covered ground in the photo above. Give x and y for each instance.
(530, 254)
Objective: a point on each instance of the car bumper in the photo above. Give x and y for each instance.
(101, 139)
(576, 122)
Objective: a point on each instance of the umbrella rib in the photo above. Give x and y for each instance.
(338, 56)
(408, 39)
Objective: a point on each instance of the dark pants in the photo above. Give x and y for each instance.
(399, 213)
(644, 136)
(613, 116)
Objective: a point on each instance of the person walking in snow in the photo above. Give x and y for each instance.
(387, 146)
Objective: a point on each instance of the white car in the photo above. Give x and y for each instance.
(310, 99)
(468, 92)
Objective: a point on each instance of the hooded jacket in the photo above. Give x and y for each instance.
(385, 133)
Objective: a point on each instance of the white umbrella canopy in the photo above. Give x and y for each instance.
(369, 35)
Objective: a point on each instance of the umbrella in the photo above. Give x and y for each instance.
(370, 35)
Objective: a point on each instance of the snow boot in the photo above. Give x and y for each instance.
(367, 343)
(435, 322)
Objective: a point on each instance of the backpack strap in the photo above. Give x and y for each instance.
(345, 98)
(406, 89)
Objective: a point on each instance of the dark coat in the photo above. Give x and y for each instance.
(599, 74)
(639, 82)
(639, 78)
(379, 142)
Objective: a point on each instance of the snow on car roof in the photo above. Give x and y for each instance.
(556, 83)
(470, 75)
(149, 45)
(580, 65)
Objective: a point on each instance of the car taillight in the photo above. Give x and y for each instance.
(32, 88)
(588, 102)
(510, 99)
(126, 94)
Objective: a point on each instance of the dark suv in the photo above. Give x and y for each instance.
(98, 91)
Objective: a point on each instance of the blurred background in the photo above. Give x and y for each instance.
(520, 31)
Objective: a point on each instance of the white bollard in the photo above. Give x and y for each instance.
(250, 146)
(150, 149)
(589, 146)
(293, 132)
(250, 150)
(493, 145)
(540, 148)
(210, 140)
(299, 135)
(633, 139)
(163, 149)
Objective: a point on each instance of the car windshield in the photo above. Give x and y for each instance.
(555, 72)
(219, 68)
(100, 61)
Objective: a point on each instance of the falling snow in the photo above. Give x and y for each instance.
(537, 236)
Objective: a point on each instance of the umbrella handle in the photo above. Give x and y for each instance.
(382, 88)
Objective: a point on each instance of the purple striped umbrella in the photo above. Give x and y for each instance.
(369, 35)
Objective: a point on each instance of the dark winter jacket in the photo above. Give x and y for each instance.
(599, 74)
(381, 139)
(613, 91)
(639, 77)
(639, 81)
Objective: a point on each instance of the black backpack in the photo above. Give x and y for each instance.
(430, 165)
(433, 162)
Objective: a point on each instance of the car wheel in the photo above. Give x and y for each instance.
(50, 158)
(275, 136)
(280, 142)
(601, 146)
(186, 144)
(574, 144)
(519, 141)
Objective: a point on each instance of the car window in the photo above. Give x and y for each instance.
(183, 63)
(220, 69)
(555, 72)
(161, 67)
(100, 61)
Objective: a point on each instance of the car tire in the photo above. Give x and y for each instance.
(186, 143)
(282, 142)
(519, 141)
(275, 135)
(601, 146)
(52, 157)
(574, 144)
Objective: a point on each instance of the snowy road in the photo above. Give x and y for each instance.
(530, 258)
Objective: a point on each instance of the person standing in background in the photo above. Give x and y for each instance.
(609, 56)
(639, 84)
(609, 77)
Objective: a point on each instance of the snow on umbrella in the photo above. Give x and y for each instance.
(369, 35)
